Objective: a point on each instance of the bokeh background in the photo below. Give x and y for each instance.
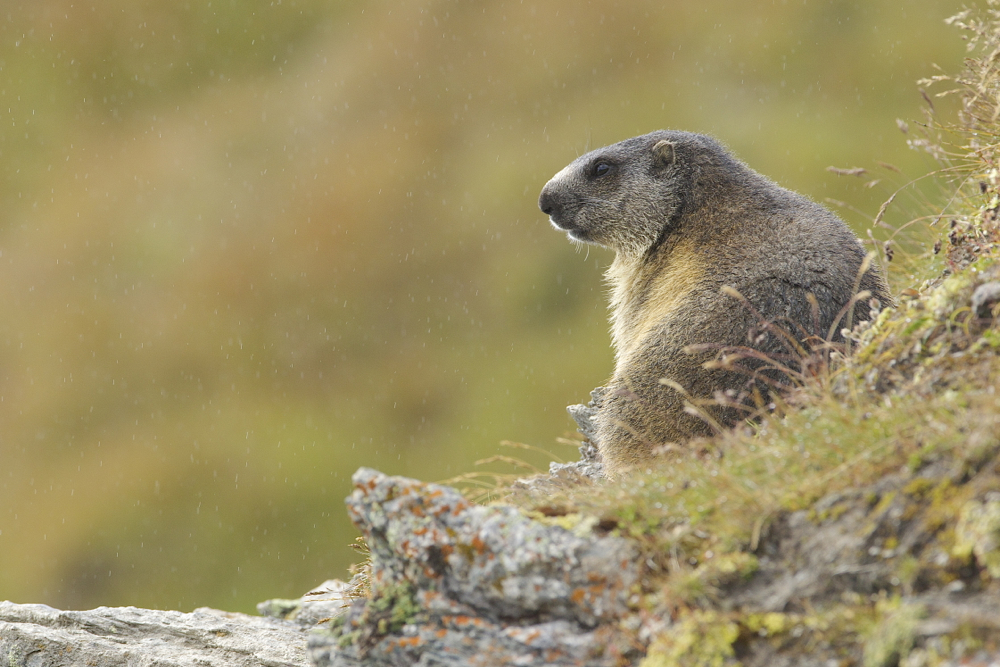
(248, 246)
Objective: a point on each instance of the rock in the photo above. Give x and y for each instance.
(457, 584)
(584, 415)
(454, 583)
(985, 299)
(35, 634)
(322, 603)
(590, 465)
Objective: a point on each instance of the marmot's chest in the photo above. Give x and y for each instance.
(643, 296)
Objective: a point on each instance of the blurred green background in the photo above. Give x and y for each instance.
(247, 247)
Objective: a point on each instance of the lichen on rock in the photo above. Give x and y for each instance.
(466, 583)
(978, 532)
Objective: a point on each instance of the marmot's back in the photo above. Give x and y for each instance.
(692, 227)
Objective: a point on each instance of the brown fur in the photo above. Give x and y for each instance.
(688, 222)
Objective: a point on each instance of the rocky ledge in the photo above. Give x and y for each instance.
(36, 635)
(451, 583)
(456, 583)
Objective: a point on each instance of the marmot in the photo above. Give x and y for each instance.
(710, 255)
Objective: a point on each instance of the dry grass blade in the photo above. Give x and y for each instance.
(882, 209)
(530, 448)
(510, 460)
(852, 171)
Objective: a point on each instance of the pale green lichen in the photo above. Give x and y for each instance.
(701, 639)
(978, 533)
(895, 633)
(387, 612)
(769, 623)
(581, 525)
(279, 608)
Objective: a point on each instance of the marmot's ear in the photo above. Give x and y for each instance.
(663, 153)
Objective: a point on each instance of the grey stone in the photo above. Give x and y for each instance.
(459, 583)
(985, 299)
(37, 635)
(584, 415)
(326, 601)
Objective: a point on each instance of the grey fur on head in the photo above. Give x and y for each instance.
(586, 199)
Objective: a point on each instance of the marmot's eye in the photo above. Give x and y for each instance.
(602, 169)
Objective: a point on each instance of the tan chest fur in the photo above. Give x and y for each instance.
(669, 284)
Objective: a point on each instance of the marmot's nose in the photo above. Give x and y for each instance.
(548, 203)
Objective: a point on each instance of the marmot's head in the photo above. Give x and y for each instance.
(627, 195)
